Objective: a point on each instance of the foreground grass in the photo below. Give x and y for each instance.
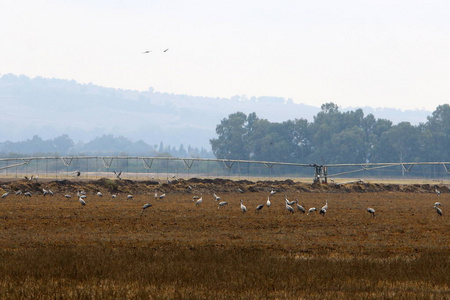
(52, 248)
(213, 273)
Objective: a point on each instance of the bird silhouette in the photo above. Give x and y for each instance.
(259, 207)
(118, 175)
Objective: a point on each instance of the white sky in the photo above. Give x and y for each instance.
(380, 53)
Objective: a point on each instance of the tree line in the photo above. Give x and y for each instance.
(334, 137)
(106, 145)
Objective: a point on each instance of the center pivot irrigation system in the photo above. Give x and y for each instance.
(321, 171)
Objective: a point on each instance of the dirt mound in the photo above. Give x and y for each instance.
(218, 185)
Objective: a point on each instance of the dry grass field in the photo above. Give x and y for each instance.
(51, 247)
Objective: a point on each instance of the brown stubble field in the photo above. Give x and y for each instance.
(51, 247)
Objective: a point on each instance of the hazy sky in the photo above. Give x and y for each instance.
(383, 53)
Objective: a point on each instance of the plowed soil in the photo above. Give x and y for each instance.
(405, 221)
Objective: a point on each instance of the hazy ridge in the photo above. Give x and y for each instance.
(52, 107)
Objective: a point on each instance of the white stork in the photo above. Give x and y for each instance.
(199, 201)
(243, 208)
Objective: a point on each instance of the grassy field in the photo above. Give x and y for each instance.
(53, 248)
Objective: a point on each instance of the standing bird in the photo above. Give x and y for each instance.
(156, 195)
(99, 194)
(216, 197)
(287, 201)
(437, 203)
(371, 211)
(78, 173)
(145, 207)
(272, 192)
(311, 210)
(438, 192)
(114, 196)
(268, 203)
(5, 195)
(67, 196)
(130, 196)
(259, 207)
(222, 203)
(19, 192)
(438, 210)
(325, 207)
(299, 207)
(27, 194)
(243, 208)
(162, 196)
(289, 208)
(83, 203)
(199, 201)
(45, 192)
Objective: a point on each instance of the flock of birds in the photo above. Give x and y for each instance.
(289, 206)
(148, 51)
(199, 200)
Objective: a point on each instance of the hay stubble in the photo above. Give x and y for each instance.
(52, 247)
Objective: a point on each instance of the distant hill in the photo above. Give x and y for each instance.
(52, 107)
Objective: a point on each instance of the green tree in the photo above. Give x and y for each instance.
(399, 144)
(230, 142)
(439, 126)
